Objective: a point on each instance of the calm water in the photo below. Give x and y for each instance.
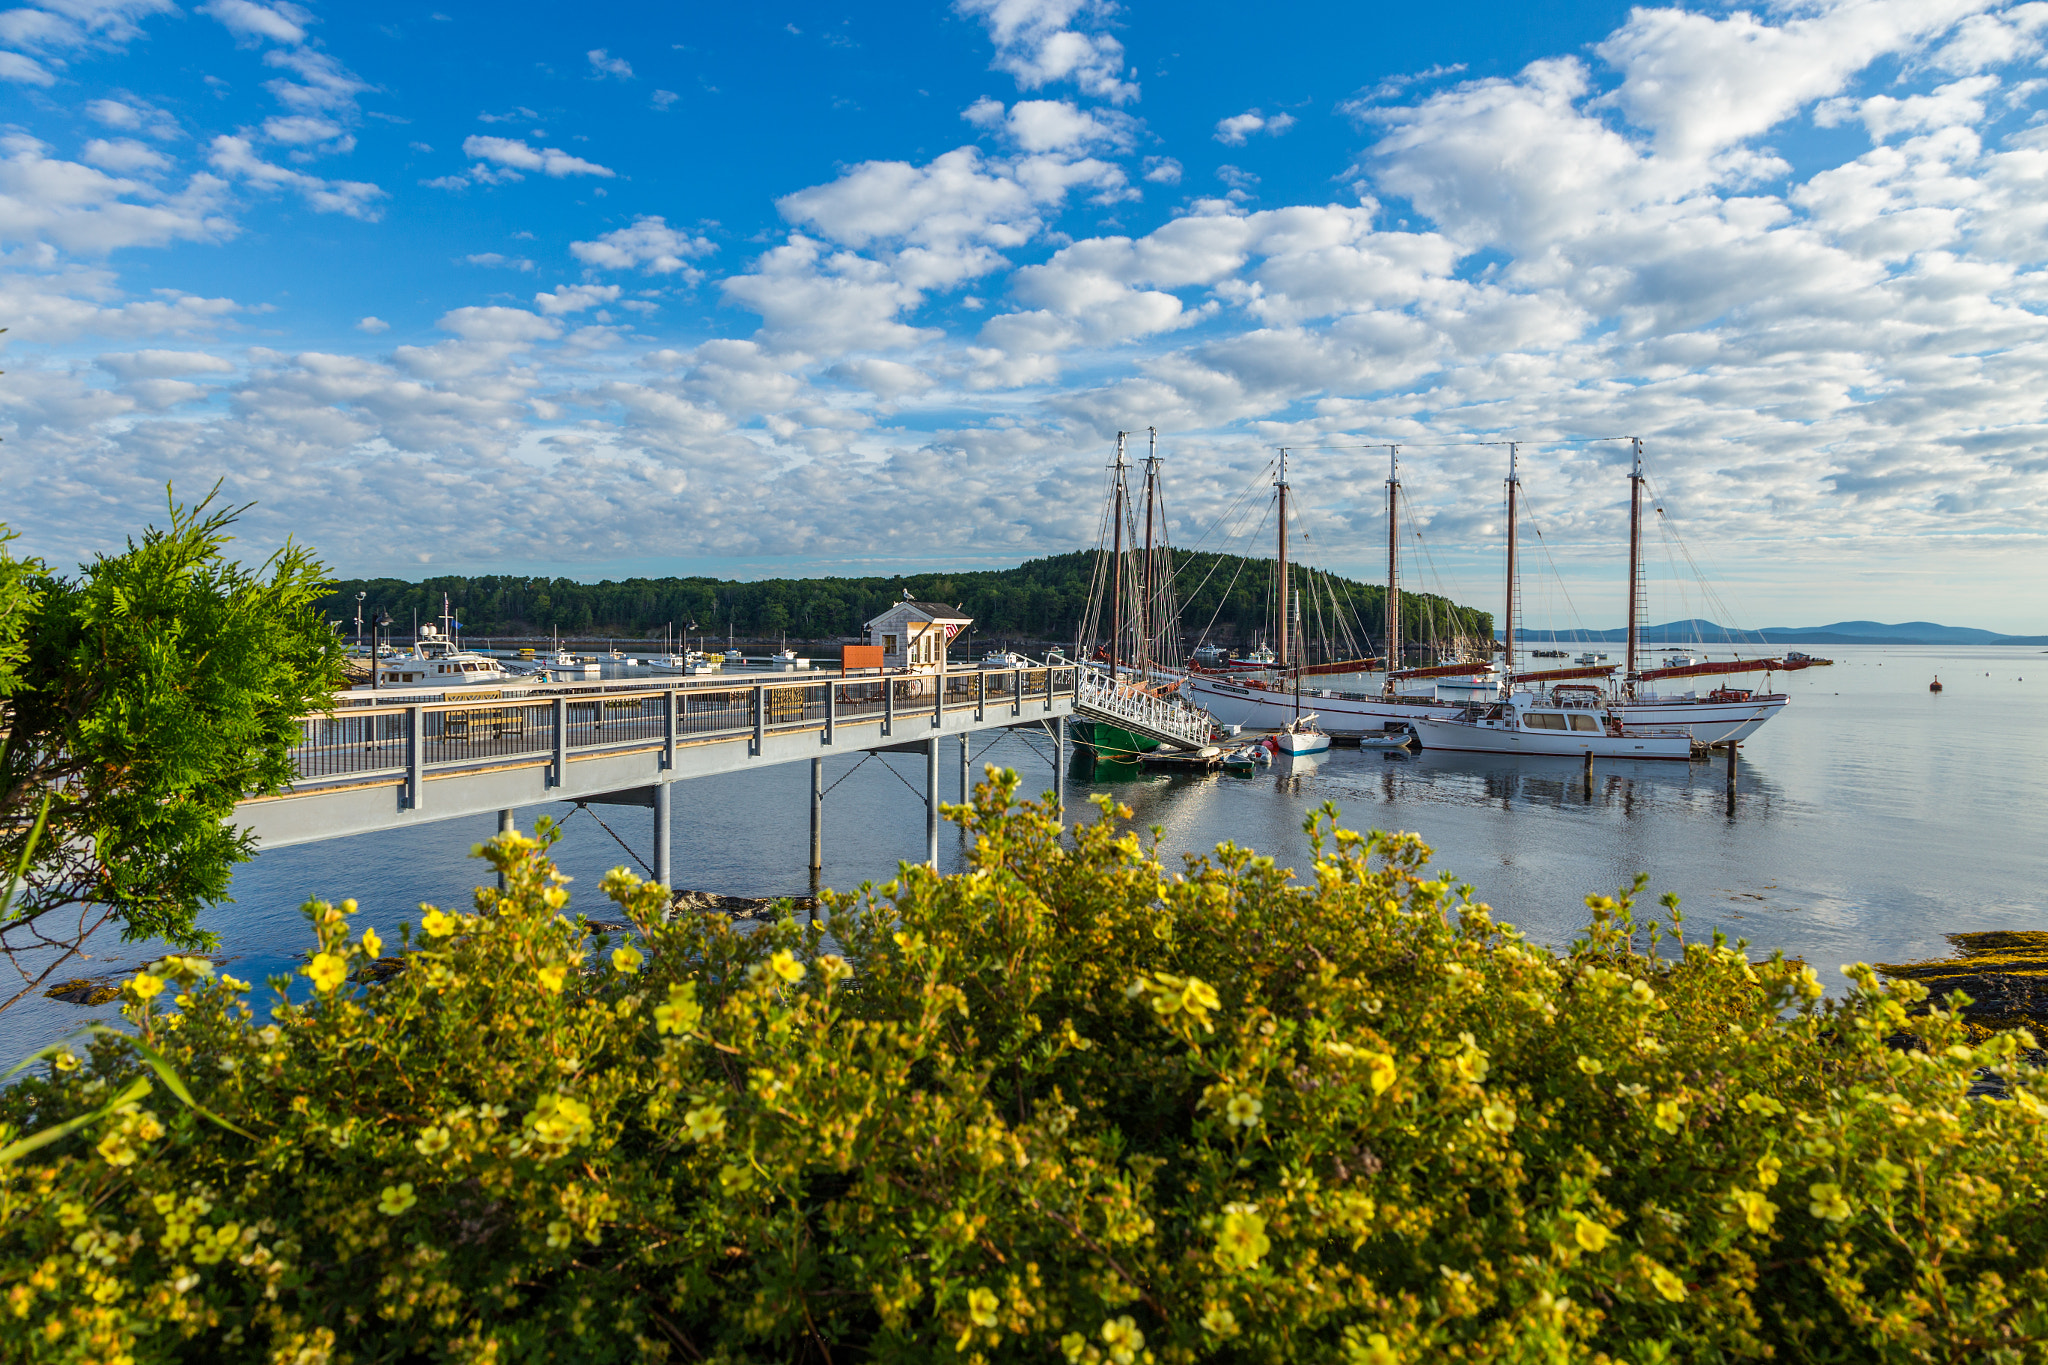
(1872, 818)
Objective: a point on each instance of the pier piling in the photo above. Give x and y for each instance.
(1059, 767)
(817, 822)
(1731, 770)
(662, 801)
(931, 802)
(505, 826)
(966, 778)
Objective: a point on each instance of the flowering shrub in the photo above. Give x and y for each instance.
(1065, 1106)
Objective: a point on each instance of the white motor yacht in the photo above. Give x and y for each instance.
(438, 661)
(1566, 723)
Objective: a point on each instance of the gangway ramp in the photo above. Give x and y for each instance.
(1172, 721)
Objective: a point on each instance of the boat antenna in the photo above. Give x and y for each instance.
(1281, 484)
(1393, 564)
(1514, 487)
(1635, 557)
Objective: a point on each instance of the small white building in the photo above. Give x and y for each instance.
(913, 635)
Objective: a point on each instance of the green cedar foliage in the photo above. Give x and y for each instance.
(1067, 1105)
(1041, 600)
(141, 700)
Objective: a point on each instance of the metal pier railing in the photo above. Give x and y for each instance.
(1169, 720)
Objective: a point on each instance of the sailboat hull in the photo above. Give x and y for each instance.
(1340, 713)
(1110, 741)
(1709, 722)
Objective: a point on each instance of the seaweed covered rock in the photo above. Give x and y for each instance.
(2003, 971)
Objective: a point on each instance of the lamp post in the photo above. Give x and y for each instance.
(359, 621)
(379, 622)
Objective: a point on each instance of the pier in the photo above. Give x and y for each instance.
(388, 759)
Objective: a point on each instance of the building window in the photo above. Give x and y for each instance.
(888, 644)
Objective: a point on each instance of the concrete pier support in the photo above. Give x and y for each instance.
(966, 778)
(817, 822)
(663, 868)
(1059, 766)
(505, 826)
(931, 802)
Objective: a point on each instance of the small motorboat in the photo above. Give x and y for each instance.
(1389, 739)
(1934, 686)
(1246, 758)
(1301, 736)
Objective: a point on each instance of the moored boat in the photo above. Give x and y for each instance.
(1560, 725)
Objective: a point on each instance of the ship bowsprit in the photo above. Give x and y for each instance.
(1170, 720)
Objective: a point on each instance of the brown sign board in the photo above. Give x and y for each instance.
(861, 656)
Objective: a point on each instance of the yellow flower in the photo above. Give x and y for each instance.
(705, 1122)
(327, 971)
(1590, 1235)
(1242, 1240)
(1756, 1210)
(1670, 1116)
(560, 1120)
(785, 965)
(681, 1013)
(187, 968)
(560, 1234)
(431, 1141)
(66, 1060)
(1374, 1350)
(1384, 1072)
(1073, 1345)
(1220, 1322)
(1499, 1116)
(834, 967)
(1828, 1202)
(1890, 1175)
(1592, 1066)
(554, 898)
(143, 986)
(396, 1199)
(1243, 1111)
(373, 947)
(1471, 1063)
(551, 978)
(70, 1215)
(981, 1307)
(1124, 1340)
(1808, 984)
(1756, 1102)
(1667, 1284)
(626, 959)
(439, 923)
(1767, 1168)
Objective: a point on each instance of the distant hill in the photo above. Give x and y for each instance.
(1840, 633)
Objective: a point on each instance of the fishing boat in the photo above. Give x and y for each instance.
(1566, 722)
(999, 659)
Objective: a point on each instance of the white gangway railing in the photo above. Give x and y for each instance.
(1167, 719)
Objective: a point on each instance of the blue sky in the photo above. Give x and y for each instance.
(747, 290)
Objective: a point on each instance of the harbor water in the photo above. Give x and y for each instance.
(1871, 818)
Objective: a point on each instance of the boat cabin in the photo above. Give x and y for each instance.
(435, 661)
(913, 635)
(1580, 709)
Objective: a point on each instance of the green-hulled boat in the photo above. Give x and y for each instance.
(1110, 741)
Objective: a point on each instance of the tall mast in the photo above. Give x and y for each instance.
(1282, 486)
(1393, 552)
(1635, 556)
(1116, 557)
(1514, 486)
(1147, 611)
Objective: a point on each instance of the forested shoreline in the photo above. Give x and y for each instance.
(1041, 600)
